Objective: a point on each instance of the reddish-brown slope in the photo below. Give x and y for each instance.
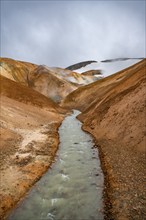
(114, 112)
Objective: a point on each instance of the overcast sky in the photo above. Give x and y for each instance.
(61, 33)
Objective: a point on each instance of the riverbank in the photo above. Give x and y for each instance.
(118, 125)
(124, 173)
(22, 169)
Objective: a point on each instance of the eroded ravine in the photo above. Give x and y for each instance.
(73, 188)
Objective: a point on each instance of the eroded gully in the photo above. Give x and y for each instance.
(73, 188)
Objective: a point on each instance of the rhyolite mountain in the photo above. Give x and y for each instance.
(55, 83)
(34, 101)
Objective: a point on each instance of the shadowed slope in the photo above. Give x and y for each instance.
(26, 95)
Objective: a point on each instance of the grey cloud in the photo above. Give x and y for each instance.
(61, 33)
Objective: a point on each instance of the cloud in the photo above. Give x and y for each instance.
(61, 33)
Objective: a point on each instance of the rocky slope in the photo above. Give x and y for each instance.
(113, 111)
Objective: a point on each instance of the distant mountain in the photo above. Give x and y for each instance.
(80, 65)
(120, 59)
(50, 84)
(72, 77)
(85, 63)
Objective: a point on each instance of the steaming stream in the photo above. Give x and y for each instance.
(72, 189)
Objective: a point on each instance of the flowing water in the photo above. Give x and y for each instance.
(73, 188)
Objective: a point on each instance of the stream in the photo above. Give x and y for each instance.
(73, 188)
